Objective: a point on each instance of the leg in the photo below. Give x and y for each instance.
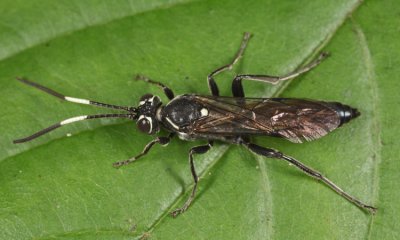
(161, 140)
(237, 88)
(167, 91)
(211, 82)
(271, 153)
(198, 150)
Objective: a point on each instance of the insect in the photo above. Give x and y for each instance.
(229, 119)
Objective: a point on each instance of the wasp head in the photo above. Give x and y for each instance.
(146, 114)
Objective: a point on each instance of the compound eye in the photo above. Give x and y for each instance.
(145, 124)
(145, 97)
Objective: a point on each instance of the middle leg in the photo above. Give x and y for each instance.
(195, 150)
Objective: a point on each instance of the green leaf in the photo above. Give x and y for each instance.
(59, 187)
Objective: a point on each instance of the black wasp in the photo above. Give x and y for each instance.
(228, 119)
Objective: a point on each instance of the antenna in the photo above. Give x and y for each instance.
(131, 115)
(71, 99)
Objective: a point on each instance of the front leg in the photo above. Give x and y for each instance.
(167, 91)
(161, 140)
(198, 150)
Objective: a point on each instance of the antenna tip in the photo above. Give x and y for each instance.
(18, 141)
(22, 79)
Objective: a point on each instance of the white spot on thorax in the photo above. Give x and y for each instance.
(204, 112)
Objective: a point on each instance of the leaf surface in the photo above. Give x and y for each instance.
(59, 187)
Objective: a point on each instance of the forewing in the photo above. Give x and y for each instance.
(294, 119)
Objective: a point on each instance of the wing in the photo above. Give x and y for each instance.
(293, 119)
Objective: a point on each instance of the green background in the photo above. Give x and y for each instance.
(59, 187)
